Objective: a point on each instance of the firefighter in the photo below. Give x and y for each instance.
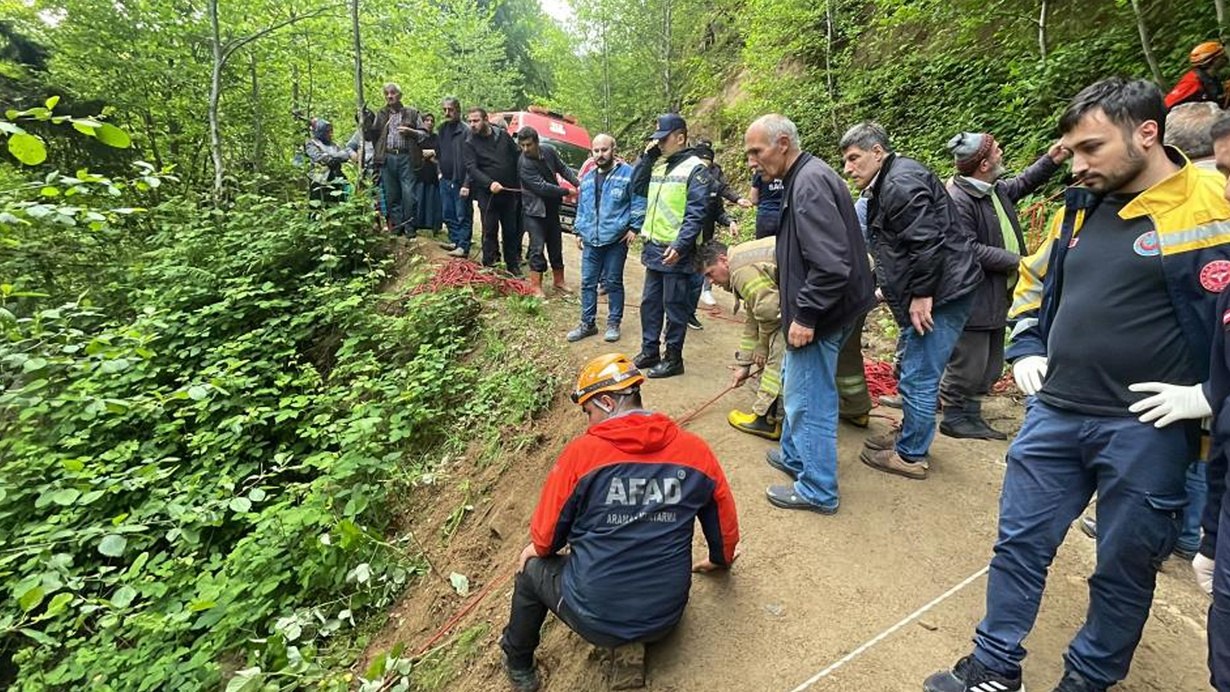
(749, 270)
(1203, 81)
(624, 498)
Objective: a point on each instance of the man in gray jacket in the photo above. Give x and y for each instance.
(985, 206)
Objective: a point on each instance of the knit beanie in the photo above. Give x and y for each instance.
(703, 150)
(969, 149)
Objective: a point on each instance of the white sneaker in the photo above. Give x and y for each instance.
(457, 252)
(708, 299)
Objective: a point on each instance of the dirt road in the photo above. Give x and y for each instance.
(817, 603)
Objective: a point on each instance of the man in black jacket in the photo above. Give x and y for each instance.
(491, 165)
(825, 286)
(927, 274)
(540, 199)
(457, 208)
(985, 205)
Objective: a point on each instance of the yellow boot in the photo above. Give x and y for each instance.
(753, 424)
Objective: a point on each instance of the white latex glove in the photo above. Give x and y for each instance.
(1170, 403)
(1028, 373)
(1203, 567)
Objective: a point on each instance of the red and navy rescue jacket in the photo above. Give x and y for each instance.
(624, 496)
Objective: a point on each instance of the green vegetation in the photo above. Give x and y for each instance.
(213, 404)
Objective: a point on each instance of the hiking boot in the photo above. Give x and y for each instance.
(669, 367)
(557, 280)
(892, 401)
(458, 252)
(706, 297)
(628, 667)
(694, 323)
(612, 333)
(859, 421)
(969, 675)
(754, 424)
(536, 284)
(889, 461)
(522, 679)
(973, 412)
(969, 429)
(581, 331)
(785, 497)
(645, 360)
(1075, 682)
(448, 246)
(774, 459)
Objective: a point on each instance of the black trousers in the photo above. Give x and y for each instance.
(537, 590)
(501, 218)
(545, 232)
(666, 295)
(976, 364)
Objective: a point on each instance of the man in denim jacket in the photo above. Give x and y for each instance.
(608, 219)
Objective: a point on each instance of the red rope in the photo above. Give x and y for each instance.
(491, 586)
(880, 380)
(462, 273)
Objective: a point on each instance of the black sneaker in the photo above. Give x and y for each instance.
(969, 675)
(1075, 682)
(969, 429)
(694, 323)
(522, 679)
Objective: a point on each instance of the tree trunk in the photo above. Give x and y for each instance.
(258, 144)
(1146, 44)
(215, 88)
(1219, 6)
(668, 54)
(358, 81)
(1042, 32)
(606, 78)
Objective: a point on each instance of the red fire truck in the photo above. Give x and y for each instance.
(564, 134)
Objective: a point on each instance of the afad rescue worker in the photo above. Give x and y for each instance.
(623, 498)
(676, 186)
(749, 270)
(1203, 82)
(1114, 319)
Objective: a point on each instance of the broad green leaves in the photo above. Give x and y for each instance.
(113, 545)
(27, 148)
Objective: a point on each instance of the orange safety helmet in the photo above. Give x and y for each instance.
(1206, 52)
(611, 372)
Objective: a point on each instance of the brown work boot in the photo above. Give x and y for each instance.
(536, 284)
(883, 441)
(889, 461)
(557, 279)
(628, 667)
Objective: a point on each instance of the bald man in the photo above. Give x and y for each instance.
(608, 220)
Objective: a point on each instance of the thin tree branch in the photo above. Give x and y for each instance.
(235, 44)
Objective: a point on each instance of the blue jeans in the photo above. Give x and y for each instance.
(1197, 485)
(458, 214)
(397, 177)
(809, 429)
(605, 264)
(922, 366)
(665, 295)
(1058, 460)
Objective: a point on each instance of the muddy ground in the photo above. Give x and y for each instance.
(809, 590)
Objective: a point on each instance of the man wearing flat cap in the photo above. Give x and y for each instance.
(984, 203)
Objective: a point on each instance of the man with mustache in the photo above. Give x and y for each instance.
(985, 205)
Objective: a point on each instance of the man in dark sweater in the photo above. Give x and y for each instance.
(540, 199)
(985, 203)
(457, 208)
(825, 286)
(926, 270)
(491, 163)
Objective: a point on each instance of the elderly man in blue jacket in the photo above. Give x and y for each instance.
(608, 219)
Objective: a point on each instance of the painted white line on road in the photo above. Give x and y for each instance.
(888, 632)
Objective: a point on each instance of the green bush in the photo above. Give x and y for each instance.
(198, 477)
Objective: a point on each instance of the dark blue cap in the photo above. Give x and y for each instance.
(668, 123)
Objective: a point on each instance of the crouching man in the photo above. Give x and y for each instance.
(622, 497)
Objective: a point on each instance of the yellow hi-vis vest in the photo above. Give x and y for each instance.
(667, 199)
